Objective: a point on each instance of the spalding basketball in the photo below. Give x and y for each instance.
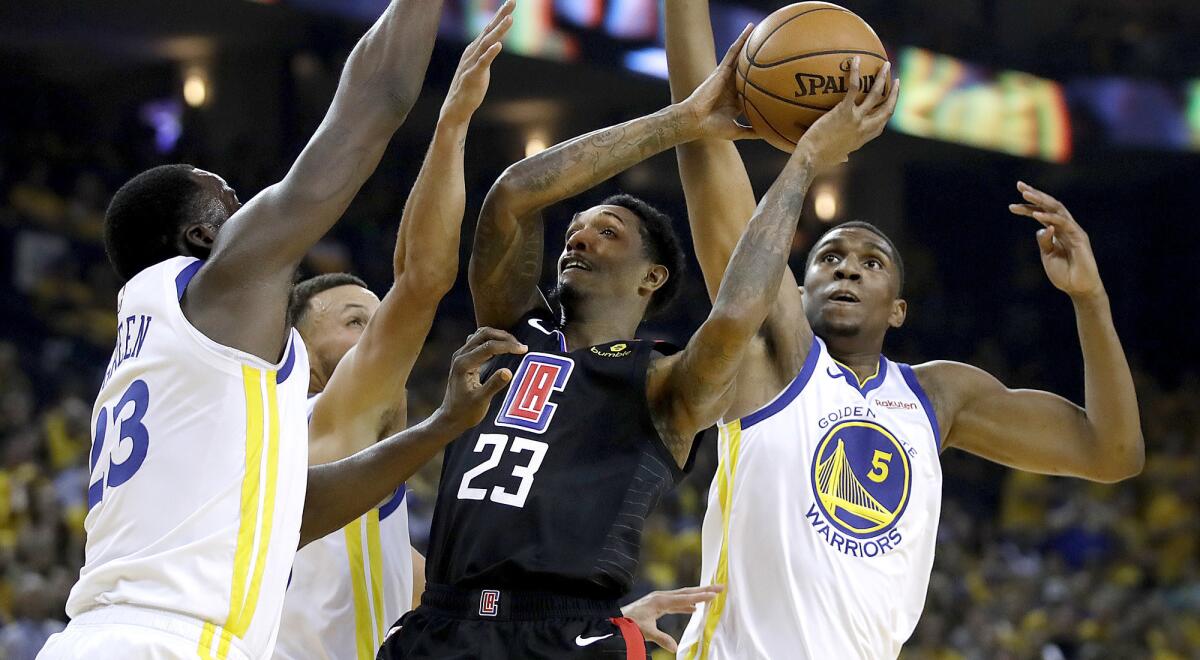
(795, 66)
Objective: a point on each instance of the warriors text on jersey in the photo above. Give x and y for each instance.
(198, 467)
(549, 493)
(349, 587)
(822, 519)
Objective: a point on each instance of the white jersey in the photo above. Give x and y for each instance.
(822, 519)
(198, 469)
(348, 588)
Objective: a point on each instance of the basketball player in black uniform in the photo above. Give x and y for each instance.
(540, 509)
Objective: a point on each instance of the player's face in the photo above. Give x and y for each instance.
(603, 254)
(335, 321)
(851, 286)
(215, 188)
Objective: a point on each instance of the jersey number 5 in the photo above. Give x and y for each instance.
(131, 444)
(523, 472)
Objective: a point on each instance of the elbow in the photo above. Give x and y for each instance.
(1128, 460)
(435, 280)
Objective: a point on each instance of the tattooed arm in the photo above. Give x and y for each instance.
(254, 257)
(689, 391)
(507, 257)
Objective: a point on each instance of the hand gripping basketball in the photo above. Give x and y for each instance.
(851, 123)
(467, 395)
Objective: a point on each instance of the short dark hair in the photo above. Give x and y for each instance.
(303, 292)
(145, 216)
(662, 247)
(862, 224)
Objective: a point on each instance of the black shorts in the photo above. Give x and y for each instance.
(497, 625)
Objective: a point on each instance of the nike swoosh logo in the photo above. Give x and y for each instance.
(580, 640)
(537, 323)
(834, 374)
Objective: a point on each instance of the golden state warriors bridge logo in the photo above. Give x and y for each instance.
(861, 480)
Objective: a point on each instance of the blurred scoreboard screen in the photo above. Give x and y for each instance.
(947, 99)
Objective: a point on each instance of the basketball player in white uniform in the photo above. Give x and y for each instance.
(348, 587)
(199, 462)
(823, 513)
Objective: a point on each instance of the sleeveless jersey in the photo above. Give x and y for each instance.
(822, 519)
(550, 492)
(199, 463)
(348, 588)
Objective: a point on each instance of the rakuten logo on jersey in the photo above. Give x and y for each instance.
(528, 405)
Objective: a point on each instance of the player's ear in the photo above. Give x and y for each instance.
(899, 313)
(199, 238)
(654, 279)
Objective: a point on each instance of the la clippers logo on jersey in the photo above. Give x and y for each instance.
(527, 405)
(489, 603)
(861, 481)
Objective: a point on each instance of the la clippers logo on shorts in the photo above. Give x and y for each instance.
(489, 603)
(527, 405)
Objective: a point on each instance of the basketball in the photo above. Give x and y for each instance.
(795, 65)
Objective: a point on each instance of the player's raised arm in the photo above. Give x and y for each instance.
(688, 389)
(341, 491)
(361, 401)
(506, 260)
(254, 257)
(1039, 431)
(720, 199)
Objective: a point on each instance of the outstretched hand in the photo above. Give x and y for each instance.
(713, 105)
(647, 610)
(1065, 248)
(467, 395)
(473, 75)
(851, 123)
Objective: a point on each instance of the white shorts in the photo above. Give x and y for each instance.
(122, 632)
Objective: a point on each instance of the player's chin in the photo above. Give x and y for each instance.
(838, 323)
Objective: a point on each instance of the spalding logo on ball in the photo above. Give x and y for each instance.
(794, 67)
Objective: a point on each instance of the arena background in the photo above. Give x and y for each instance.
(1095, 101)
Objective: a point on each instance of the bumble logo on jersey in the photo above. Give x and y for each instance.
(861, 479)
(614, 351)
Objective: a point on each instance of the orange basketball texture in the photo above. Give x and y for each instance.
(794, 67)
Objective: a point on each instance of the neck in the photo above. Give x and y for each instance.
(860, 357)
(599, 321)
(316, 381)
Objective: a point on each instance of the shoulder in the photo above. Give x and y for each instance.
(950, 386)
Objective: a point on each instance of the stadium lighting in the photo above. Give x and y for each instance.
(535, 144)
(825, 203)
(195, 87)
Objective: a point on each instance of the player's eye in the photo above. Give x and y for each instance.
(829, 258)
(607, 232)
(357, 321)
(873, 263)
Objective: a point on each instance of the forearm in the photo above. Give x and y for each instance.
(1109, 396)
(389, 62)
(427, 247)
(577, 165)
(760, 258)
(341, 491)
(719, 196)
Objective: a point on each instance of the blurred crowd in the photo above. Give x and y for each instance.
(1027, 566)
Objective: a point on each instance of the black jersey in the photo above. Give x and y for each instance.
(550, 492)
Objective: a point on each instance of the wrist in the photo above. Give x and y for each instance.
(451, 123)
(686, 118)
(1090, 301)
(443, 423)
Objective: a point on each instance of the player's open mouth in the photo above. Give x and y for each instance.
(574, 262)
(844, 297)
